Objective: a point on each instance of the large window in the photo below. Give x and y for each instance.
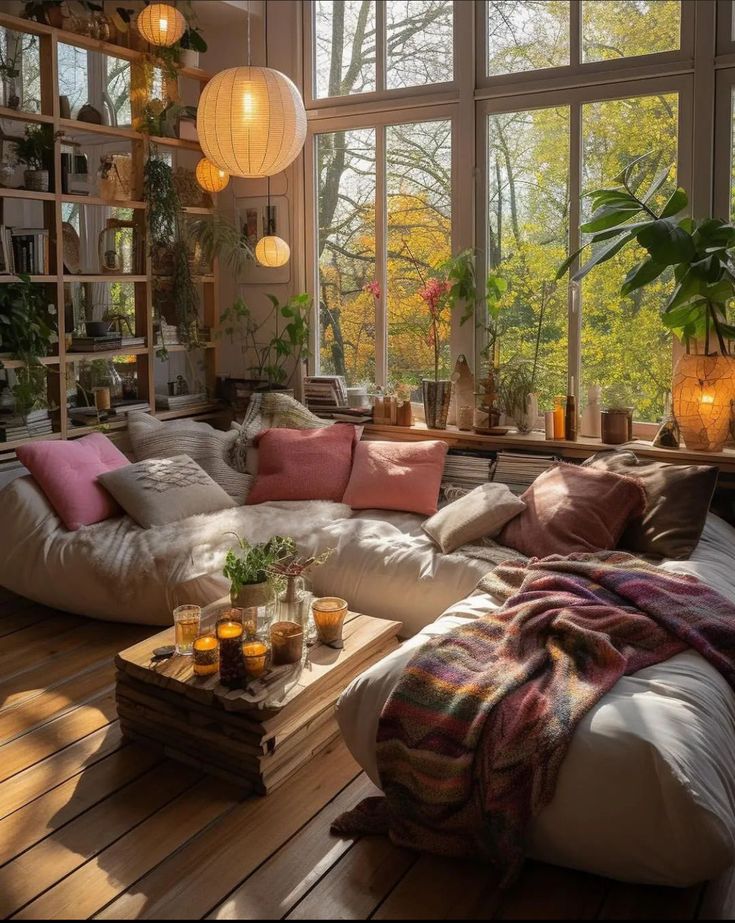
(414, 158)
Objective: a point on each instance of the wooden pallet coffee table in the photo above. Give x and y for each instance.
(200, 722)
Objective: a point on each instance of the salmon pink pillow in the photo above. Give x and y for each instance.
(570, 509)
(397, 476)
(66, 471)
(304, 464)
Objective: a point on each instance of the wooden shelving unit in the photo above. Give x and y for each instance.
(65, 130)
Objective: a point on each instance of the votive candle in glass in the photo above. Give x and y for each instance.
(206, 655)
(287, 642)
(231, 668)
(186, 627)
(254, 655)
(329, 616)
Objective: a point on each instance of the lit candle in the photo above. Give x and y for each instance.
(206, 655)
(329, 616)
(254, 655)
(231, 669)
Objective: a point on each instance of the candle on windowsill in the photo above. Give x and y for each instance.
(206, 655)
(254, 654)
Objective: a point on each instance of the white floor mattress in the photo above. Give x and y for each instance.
(647, 790)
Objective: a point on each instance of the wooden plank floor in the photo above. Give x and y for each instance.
(92, 826)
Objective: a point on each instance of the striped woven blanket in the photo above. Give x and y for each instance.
(471, 739)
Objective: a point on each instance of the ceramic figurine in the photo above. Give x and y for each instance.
(463, 388)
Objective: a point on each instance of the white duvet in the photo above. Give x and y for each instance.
(647, 790)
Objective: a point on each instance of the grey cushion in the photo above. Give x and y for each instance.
(162, 490)
(210, 448)
(480, 513)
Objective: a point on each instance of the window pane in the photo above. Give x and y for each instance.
(623, 28)
(419, 220)
(344, 54)
(528, 182)
(624, 344)
(346, 251)
(419, 48)
(525, 35)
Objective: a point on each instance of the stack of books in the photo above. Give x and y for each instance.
(519, 471)
(168, 335)
(325, 393)
(132, 341)
(25, 250)
(352, 415)
(123, 408)
(35, 423)
(87, 416)
(98, 344)
(181, 401)
(466, 470)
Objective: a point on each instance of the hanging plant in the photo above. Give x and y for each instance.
(164, 213)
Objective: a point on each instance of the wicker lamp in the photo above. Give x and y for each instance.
(210, 177)
(272, 251)
(251, 121)
(161, 24)
(703, 388)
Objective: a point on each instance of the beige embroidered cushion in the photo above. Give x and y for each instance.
(210, 448)
(157, 491)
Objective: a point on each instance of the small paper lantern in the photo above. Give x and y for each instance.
(703, 389)
(210, 177)
(272, 251)
(161, 24)
(251, 121)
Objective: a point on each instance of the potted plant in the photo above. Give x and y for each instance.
(48, 12)
(272, 346)
(26, 331)
(192, 44)
(515, 388)
(35, 150)
(248, 568)
(699, 255)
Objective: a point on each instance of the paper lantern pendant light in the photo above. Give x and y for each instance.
(210, 177)
(251, 121)
(272, 251)
(161, 24)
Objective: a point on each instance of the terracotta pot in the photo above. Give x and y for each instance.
(437, 395)
(703, 388)
(252, 595)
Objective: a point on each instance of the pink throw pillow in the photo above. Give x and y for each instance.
(571, 509)
(66, 471)
(397, 476)
(303, 464)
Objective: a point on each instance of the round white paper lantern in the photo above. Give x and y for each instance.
(251, 121)
(272, 251)
(161, 24)
(210, 177)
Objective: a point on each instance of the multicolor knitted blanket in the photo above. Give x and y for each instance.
(471, 740)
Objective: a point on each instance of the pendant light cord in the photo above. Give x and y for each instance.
(265, 42)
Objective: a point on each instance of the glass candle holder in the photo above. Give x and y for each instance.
(287, 642)
(231, 668)
(329, 617)
(186, 627)
(255, 658)
(206, 655)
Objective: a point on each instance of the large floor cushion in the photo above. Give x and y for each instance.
(646, 792)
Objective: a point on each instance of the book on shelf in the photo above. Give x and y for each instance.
(96, 344)
(25, 250)
(35, 423)
(132, 341)
(323, 392)
(122, 408)
(180, 401)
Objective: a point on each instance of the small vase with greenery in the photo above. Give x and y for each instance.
(698, 256)
(248, 566)
(26, 332)
(35, 149)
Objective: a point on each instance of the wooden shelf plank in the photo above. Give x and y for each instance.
(182, 143)
(18, 363)
(104, 277)
(210, 409)
(8, 193)
(96, 200)
(73, 127)
(6, 280)
(182, 347)
(19, 115)
(72, 356)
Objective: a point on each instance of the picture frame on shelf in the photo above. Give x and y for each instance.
(258, 217)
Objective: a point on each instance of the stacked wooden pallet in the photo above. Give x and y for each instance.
(204, 724)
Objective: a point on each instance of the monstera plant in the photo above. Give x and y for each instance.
(699, 257)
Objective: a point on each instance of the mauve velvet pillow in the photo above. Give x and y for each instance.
(397, 476)
(303, 464)
(67, 471)
(570, 509)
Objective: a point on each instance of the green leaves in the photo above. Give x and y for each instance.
(666, 242)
